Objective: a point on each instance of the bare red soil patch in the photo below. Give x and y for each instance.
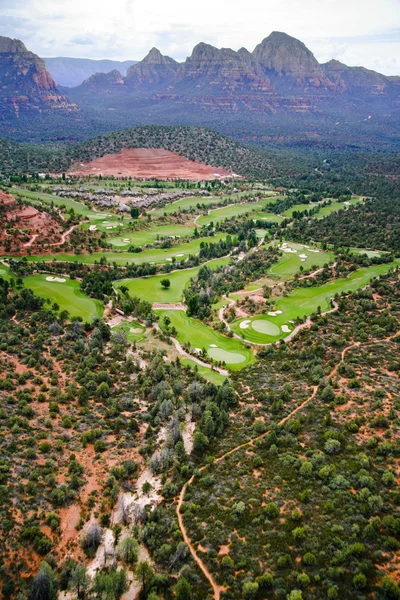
(146, 163)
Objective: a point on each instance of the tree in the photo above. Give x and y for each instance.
(166, 283)
(183, 590)
(134, 212)
(144, 573)
(250, 590)
(128, 550)
(80, 581)
(44, 584)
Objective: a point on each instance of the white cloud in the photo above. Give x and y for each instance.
(356, 32)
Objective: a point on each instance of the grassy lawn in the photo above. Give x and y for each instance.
(150, 289)
(134, 331)
(291, 262)
(218, 347)
(266, 216)
(336, 206)
(187, 203)
(67, 295)
(78, 207)
(156, 255)
(141, 238)
(209, 374)
(227, 212)
(301, 303)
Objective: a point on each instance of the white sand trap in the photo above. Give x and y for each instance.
(169, 259)
(108, 227)
(213, 346)
(303, 256)
(179, 255)
(312, 250)
(285, 329)
(290, 250)
(245, 324)
(272, 314)
(197, 350)
(347, 203)
(302, 260)
(57, 279)
(126, 240)
(278, 312)
(92, 227)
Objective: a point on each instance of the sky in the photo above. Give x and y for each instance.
(356, 32)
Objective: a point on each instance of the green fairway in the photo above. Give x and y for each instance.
(149, 236)
(267, 216)
(150, 288)
(209, 374)
(187, 204)
(302, 302)
(152, 255)
(134, 331)
(66, 294)
(305, 257)
(218, 347)
(235, 210)
(78, 207)
(336, 206)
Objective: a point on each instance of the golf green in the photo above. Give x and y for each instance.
(66, 294)
(191, 331)
(295, 256)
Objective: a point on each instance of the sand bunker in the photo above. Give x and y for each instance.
(179, 255)
(126, 240)
(213, 346)
(245, 324)
(303, 256)
(92, 227)
(57, 279)
(312, 250)
(272, 314)
(285, 329)
(147, 163)
(290, 250)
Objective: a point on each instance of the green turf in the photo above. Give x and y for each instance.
(78, 207)
(187, 204)
(227, 212)
(336, 206)
(156, 255)
(267, 216)
(150, 289)
(304, 301)
(67, 295)
(290, 263)
(149, 236)
(133, 330)
(209, 374)
(231, 350)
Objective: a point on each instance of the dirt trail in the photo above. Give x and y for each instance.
(64, 236)
(164, 306)
(216, 588)
(33, 238)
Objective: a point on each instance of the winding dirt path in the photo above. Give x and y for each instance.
(217, 589)
(33, 238)
(64, 236)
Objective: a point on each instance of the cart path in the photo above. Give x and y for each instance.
(217, 589)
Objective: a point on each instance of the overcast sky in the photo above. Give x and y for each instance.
(357, 32)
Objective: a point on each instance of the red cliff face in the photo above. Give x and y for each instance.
(25, 83)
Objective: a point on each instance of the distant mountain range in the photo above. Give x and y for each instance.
(278, 93)
(71, 72)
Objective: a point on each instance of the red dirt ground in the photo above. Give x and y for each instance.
(146, 163)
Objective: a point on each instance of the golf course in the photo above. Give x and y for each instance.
(301, 303)
(218, 347)
(299, 255)
(150, 288)
(66, 293)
